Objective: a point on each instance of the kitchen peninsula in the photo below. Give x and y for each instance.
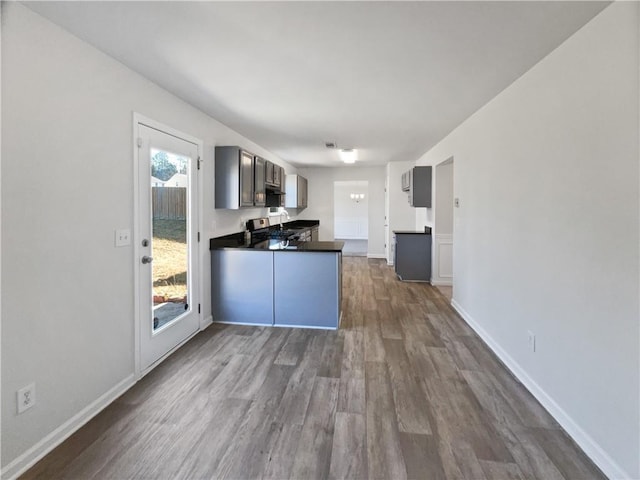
(275, 277)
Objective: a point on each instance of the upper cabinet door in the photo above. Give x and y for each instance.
(260, 196)
(420, 186)
(269, 169)
(296, 187)
(277, 176)
(246, 179)
(303, 193)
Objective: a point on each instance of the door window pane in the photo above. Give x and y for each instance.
(170, 249)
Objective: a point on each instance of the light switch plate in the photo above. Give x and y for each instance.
(123, 237)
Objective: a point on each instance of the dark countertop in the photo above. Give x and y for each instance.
(274, 245)
(238, 241)
(301, 224)
(413, 232)
(313, 247)
(296, 224)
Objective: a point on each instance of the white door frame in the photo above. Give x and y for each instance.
(442, 239)
(141, 119)
(387, 239)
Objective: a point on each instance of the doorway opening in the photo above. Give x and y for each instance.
(444, 226)
(351, 216)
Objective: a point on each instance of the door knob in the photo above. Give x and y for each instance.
(147, 259)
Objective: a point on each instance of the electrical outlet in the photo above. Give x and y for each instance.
(532, 341)
(26, 397)
(123, 237)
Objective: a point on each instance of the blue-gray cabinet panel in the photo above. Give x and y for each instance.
(242, 286)
(413, 256)
(307, 289)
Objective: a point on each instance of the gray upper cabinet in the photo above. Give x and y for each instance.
(296, 188)
(274, 179)
(417, 183)
(269, 169)
(235, 179)
(273, 176)
(278, 175)
(259, 190)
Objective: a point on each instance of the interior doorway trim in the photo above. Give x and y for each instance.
(444, 224)
(351, 216)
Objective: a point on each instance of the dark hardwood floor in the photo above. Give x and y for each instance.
(405, 389)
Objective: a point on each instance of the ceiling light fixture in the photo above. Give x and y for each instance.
(348, 155)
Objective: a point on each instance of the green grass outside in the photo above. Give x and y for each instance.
(169, 254)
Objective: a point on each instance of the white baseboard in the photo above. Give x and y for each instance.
(376, 255)
(310, 327)
(245, 324)
(590, 447)
(443, 283)
(60, 434)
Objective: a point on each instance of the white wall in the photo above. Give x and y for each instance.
(402, 216)
(351, 218)
(547, 233)
(67, 292)
(320, 200)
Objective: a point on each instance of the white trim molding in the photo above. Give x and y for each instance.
(376, 255)
(204, 323)
(590, 447)
(60, 434)
(442, 265)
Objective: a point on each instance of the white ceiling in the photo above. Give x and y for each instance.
(388, 78)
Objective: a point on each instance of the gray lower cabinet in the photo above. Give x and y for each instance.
(307, 289)
(242, 286)
(412, 260)
(302, 289)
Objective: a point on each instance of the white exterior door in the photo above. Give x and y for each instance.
(167, 242)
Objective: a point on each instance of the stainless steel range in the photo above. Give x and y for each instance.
(261, 230)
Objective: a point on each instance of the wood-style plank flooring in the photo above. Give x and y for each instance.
(405, 389)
